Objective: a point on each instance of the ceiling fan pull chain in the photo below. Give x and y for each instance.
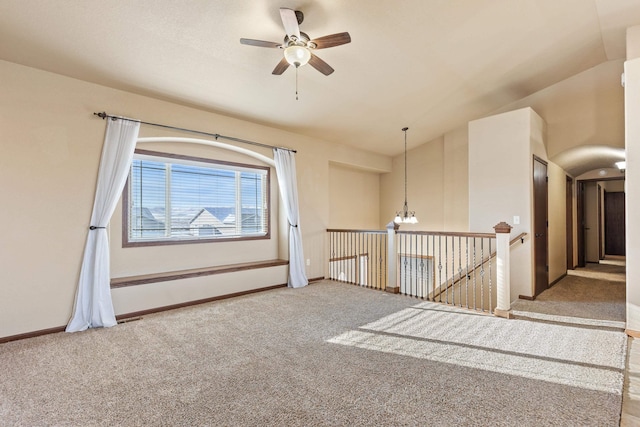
(297, 83)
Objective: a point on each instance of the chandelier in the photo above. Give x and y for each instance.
(405, 216)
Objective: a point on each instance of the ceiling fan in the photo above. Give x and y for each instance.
(298, 46)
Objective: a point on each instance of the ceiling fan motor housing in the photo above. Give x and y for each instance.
(304, 40)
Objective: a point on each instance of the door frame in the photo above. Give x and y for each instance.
(580, 215)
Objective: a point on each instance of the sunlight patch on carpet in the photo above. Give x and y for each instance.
(598, 275)
(570, 319)
(589, 358)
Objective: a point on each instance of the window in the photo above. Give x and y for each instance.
(178, 199)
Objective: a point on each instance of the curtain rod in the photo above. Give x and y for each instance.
(104, 115)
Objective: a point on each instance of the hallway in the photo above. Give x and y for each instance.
(594, 294)
(595, 297)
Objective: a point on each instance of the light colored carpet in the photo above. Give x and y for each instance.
(327, 354)
(595, 294)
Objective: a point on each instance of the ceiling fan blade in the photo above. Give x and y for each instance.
(332, 40)
(259, 43)
(281, 67)
(320, 65)
(290, 22)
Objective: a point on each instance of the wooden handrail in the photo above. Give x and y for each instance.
(422, 233)
(340, 230)
(448, 233)
(518, 237)
(343, 258)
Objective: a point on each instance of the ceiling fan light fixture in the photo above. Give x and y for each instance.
(297, 55)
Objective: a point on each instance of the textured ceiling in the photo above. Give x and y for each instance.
(432, 65)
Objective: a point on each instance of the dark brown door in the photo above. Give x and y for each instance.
(540, 241)
(614, 228)
(569, 226)
(582, 255)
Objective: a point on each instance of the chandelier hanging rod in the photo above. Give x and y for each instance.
(405, 129)
(405, 216)
(217, 136)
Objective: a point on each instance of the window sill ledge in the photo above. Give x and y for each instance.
(121, 282)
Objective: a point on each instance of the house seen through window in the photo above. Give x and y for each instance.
(180, 199)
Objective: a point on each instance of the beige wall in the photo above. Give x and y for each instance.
(597, 174)
(424, 186)
(581, 110)
(632, 176)
(501, 150)
(437, 187)
(613, 186)
(574, 208)
(557, 222)
(592, 252)
(450, 207)
(50, 145)
(456, 180)
(556, 198)
(137, 298)
(354, 198)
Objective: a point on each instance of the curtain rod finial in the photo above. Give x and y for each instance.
(102, 115)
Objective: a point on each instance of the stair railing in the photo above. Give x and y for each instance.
(469, 270)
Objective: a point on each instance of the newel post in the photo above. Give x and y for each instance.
(392, 285)
(503, 232)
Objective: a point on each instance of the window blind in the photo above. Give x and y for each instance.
(193, 199)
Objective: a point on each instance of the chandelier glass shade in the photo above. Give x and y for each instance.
(405, 216)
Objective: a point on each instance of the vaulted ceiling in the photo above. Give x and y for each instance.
(432, 65)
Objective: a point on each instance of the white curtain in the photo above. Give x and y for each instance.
(286, 170)
(93, 307)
